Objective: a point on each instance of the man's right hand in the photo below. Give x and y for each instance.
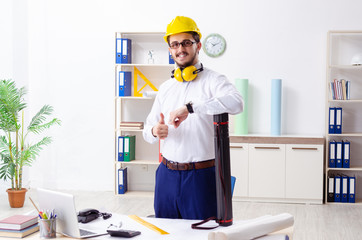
(161, 129)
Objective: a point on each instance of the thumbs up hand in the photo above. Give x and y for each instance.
(160, 130)
(162, 120)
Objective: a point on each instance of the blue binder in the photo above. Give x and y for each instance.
(125, 85)
(330, 197)
(332, 120)
(122, 180)
(332, 154)
(352, 190)
(339, 152)
(348, 89)
(337, 188)
(170, 59)
(344, 189)
(120, 148)
(338, 121)
(123, 50)
(346, 154)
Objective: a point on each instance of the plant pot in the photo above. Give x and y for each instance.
(16, 197)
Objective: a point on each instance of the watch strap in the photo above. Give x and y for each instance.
(189, 107)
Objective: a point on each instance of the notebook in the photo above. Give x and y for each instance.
(64, 208)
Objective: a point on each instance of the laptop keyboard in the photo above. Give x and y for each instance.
(85, 232)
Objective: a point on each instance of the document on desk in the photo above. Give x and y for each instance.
(180, 229)
(253, 228)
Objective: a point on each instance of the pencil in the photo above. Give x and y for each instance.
(34, 204)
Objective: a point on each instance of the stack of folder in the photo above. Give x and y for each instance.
(122, 181)
(341, 188)
(132, 125)
(126, 148)
(335, 120)
(123, 50)
(339, 154)
(340, 89)
(124, 83)
(170, 59)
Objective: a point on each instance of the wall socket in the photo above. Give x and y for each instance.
(144, 167)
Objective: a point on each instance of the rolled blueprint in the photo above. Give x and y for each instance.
(241, 119)
(253, 228)
(276, 107)
(150, 94)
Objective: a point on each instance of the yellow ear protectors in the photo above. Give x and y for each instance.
(186, 74)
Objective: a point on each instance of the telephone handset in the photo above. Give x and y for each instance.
(89, 214)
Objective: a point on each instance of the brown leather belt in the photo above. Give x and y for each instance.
(188, 166)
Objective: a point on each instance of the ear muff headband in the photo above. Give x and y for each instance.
(186, 74)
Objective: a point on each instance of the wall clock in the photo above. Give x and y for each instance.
(214, 45)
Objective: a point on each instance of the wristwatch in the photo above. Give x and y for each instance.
(189, 107)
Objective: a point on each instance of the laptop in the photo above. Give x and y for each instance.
(64, 208)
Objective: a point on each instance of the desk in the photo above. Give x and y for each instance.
(178, 228)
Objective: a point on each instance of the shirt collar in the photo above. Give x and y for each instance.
(197, 65)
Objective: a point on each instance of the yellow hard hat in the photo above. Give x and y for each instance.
(181, 24)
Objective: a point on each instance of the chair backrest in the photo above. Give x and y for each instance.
(233, 180)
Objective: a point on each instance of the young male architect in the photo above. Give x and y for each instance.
(182, 115)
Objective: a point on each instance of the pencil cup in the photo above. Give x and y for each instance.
(48, 228)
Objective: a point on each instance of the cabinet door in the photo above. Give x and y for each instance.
(304, 171)
(240, 168)
(267, 170)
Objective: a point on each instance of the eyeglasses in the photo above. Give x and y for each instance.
(184, 43)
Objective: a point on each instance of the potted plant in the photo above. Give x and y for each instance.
(15, 149)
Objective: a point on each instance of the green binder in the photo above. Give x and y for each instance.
(129, 147)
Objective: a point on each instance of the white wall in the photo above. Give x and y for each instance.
(6, 50)
(71, 66)
(6, 32)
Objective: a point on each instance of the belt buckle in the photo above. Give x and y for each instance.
(168, 164)
(186, 166)
(172, 165)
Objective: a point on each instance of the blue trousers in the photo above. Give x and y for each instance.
(185, 194)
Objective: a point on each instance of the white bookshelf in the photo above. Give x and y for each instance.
(136, 109)
(342, 47)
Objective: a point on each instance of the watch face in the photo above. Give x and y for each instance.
(214, 45)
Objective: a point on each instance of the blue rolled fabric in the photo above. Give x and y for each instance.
(276, 107)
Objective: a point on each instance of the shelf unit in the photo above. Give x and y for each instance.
(136, 109)
(342, 47)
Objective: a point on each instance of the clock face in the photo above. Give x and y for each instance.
(214, 45)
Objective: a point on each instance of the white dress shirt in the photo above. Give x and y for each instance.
(193, 141)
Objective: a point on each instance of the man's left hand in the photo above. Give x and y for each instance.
(178, 116)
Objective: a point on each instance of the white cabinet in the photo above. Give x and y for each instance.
(267, 170)
(277, 169)
(304, 178)
(239, 155)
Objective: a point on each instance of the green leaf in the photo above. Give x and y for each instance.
(30, 153)
(37, 124)
(11, 103)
